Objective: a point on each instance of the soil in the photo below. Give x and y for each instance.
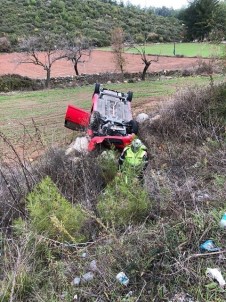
(99, 62)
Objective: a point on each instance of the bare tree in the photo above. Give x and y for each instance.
(43, 50)
(78, 51)
(147, 60)
(117, 42)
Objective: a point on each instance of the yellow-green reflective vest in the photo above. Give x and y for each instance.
(134, 159)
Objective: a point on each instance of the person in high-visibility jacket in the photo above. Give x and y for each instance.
(134, 156)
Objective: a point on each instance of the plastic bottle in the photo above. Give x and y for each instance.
(223, 221)
(122, 278)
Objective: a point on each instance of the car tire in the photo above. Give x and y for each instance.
(129, 96)
(97, 88)
(133, 126)
(94, 120)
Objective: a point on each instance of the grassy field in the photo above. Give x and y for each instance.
(24, 114)
(185, 49)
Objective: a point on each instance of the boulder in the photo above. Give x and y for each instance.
(80, 145)
(141, 117)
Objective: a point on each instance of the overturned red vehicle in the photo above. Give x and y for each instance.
(110, 120)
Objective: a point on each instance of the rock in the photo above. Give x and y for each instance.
(80, 145)
(76, 281)
(93, 266)
(88, 277)
(156, 117)
(142, 117)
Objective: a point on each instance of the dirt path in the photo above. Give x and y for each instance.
(100, 61)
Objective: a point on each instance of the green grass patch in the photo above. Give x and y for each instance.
(181, 49)
(47, 108)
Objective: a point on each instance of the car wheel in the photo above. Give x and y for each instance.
(94, 120)
(134, 126)
(129, 96)
(97, 88)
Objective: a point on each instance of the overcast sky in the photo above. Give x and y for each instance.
(159, 3)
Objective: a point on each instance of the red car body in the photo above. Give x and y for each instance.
(110, 120)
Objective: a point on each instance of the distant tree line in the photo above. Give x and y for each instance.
(70, 29)
(93, 19)
(204, 20)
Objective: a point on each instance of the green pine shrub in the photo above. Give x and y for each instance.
(108, 162)
(53, 215)
(124, 201)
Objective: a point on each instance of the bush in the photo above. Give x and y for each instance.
(124, 201)
(204, 67)
(191, 117)
(78, 182)
(5, 45)
(153, 37)
(53, 215)
(139, 38)
(15, 82)
(108, 165)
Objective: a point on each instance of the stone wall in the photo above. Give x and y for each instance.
(103, 78)
(16, 82)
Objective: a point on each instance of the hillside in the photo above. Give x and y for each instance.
(93, 19)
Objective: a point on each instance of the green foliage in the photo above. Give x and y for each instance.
(39, 276)
(201, 17)
(15, 82)
(219, 181)
(217, 110)
(152, 37)
(53, 215)
(182, 49)
(124, 201)
(93, 19)
(23, 284)
(108, 162)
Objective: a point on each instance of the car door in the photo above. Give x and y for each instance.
(76, 118)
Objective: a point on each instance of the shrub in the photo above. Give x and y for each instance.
(79, 181)
(15, 82)
(108, 165)
(139, 38)
(204, 67)
(124, 201)
(53, 215)
(4, 44)
(193, 116)
(153, 37)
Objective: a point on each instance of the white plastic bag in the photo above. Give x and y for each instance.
(215, 273)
